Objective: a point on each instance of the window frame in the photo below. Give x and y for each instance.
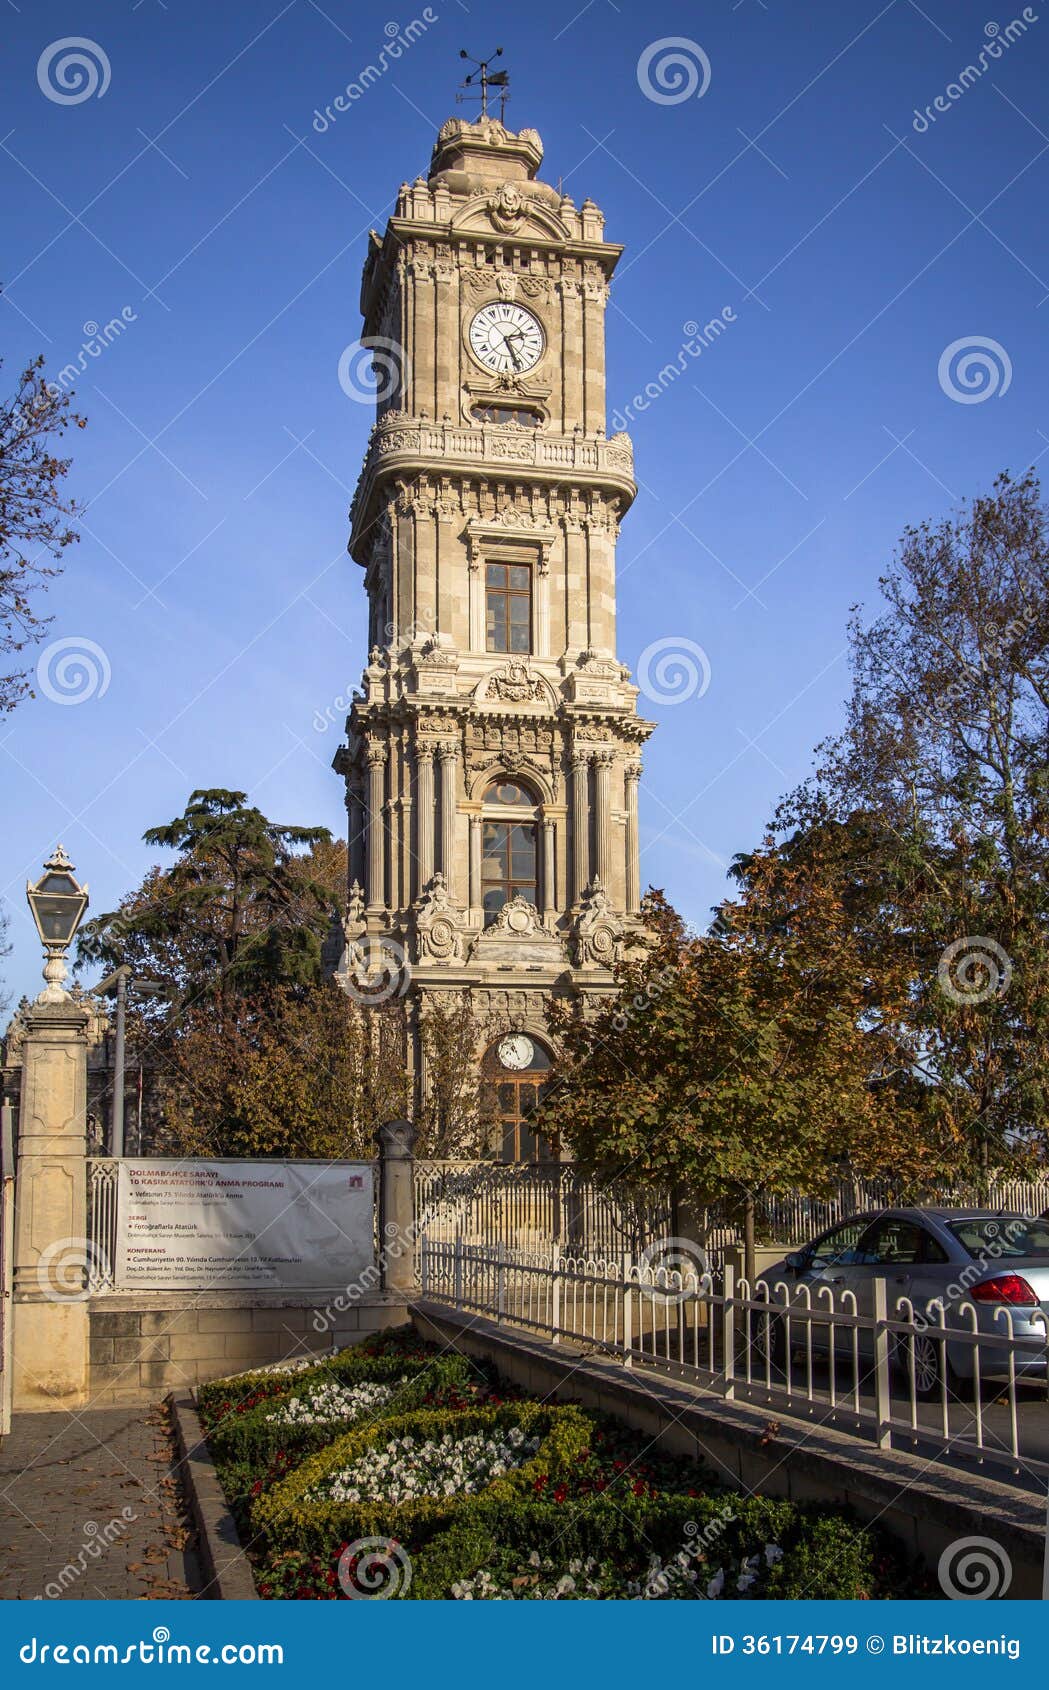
(507, 595)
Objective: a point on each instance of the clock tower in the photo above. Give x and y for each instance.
(492, 756)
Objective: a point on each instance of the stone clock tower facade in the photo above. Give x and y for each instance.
(492, 756)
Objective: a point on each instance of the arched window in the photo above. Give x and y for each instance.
(517, 1070)
(509, 847)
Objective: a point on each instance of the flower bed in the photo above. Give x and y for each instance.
(394, 1470)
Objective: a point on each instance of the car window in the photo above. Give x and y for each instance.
(997, 1236)
(838, 1246)
(894, 1242)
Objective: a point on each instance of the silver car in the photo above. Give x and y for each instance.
(988, 1260)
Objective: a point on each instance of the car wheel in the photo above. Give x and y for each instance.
(931, 1365)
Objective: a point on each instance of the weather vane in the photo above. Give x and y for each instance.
(482, 78)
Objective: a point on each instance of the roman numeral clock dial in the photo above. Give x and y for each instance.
(506, 338)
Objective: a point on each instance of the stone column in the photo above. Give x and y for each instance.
(633, 849)
(52, 1252)
(449, 756)
(376, 825)
(397, 1209)
(549, 883)
(603, 816)
(580, 824)
(424, 814)
(476, 889)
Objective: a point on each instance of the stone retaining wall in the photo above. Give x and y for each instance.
(142, 1345)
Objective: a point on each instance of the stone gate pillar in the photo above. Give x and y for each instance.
(397, 1209)
(52, 1251)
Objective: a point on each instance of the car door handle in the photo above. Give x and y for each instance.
(837, 1279)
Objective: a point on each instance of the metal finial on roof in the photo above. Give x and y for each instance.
(481, 80)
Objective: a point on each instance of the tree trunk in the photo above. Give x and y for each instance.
(749, 1255)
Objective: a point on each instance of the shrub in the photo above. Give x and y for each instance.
(288, 1517)
(247, 1431)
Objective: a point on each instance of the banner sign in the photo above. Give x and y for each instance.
(264, 1226)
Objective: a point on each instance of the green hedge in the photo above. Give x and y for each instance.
(252, 1436)
(823, 1556)
(394, 1353)
(287, 1520)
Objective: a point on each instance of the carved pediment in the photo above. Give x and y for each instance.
(517, 938)
(515, 683)
(510, 209)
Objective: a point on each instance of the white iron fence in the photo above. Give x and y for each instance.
(531, 1206)
(933, 1379)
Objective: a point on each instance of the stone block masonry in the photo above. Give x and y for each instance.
(142, 1345)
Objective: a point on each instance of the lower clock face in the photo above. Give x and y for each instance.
(516, 1050)
(506, 338)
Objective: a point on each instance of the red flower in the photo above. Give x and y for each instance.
(560, 1492)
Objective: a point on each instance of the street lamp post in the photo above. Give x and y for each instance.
(121, 982)
(57, 902)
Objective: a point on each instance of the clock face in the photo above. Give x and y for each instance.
(516, 1050)
(506, 338)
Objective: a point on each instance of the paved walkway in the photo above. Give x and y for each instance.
(89, 1507)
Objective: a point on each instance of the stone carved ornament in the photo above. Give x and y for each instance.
(597, 931)
(516, 684)
(436, 924)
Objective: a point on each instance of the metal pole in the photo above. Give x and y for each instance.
(116, 1135)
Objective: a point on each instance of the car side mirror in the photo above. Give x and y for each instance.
(797, 1261)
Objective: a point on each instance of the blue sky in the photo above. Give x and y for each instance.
(847, 247)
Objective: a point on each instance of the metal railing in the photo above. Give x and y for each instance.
(101, 1222)
(862, 1371)
(531, 1206)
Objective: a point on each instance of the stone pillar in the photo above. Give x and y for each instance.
(376, 828)
(397, 1209)
(603, 816)
(52, 1252)
(580, 824)
(549, 883)
(633, 849)
(449, 755)
(476, 889)
(424, 813)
